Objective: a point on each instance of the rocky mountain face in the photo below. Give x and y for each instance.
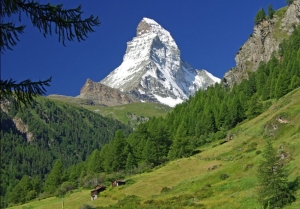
(98, 94)
(265, 40)
(152, 69)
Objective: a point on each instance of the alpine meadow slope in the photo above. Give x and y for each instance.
(220, 176)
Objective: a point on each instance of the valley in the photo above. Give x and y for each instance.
(179, 137)
(191, 183)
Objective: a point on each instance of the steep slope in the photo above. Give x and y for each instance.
(47, 130)
(152, 69)
(196, 182)
(265, 40)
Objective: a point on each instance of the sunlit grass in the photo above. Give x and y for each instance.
(124, 113)
(237, 158)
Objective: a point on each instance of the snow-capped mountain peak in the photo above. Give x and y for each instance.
(152, 69)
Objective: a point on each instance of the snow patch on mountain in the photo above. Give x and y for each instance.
(217, 80)
(168, 100)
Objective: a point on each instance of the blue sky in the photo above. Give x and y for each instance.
(208, 34)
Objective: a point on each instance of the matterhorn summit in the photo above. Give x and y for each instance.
(152, 69)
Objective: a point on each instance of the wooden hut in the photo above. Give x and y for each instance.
(95, 192)
(116, 183)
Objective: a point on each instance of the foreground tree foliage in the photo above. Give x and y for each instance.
(48, 19)
(274, 189)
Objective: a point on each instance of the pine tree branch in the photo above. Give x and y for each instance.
(9, 35)
(68, 22)
(23, 92)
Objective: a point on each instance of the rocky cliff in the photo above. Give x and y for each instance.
(104, 95)
(264, 41)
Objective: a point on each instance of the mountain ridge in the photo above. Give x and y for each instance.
(264, 42)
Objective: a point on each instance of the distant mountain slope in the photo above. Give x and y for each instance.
(47, 130)
(130, 114)
(152, 69)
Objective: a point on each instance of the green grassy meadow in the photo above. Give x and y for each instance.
(190, 183)
(129, 114)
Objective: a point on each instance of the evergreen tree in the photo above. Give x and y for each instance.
(107, 157)
(295, 82)
(208, 121)
(150, 153)
(23, 187)
(183, 145)
(272, 176)
(130, 163)
(289, 2)
(138, 139)
(282, 85)
(94, 163)
(161, 138)
(75, 171)
(37, 184)
(118, 152)
(54, 179)
(254, 108)
(271, 11)
(260, 15)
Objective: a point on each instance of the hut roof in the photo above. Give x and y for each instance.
(99, 187)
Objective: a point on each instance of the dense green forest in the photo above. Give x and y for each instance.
(55, 130)
(205, 117)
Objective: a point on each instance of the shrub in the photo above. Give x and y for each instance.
(258, 152)
(68, 186)
(165, 189)
(224, 176)
(248, 166)
(130, 181)
(86, 206)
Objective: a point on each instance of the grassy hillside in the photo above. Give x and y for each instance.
(32, 139)
(190, 183)
(129, 114)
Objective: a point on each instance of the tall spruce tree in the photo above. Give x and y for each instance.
(54, 179)
(94, 162)
(272, 176)
(271, 11)
(130, 163)
(118, 152)
(23, 187)
(260, 15)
